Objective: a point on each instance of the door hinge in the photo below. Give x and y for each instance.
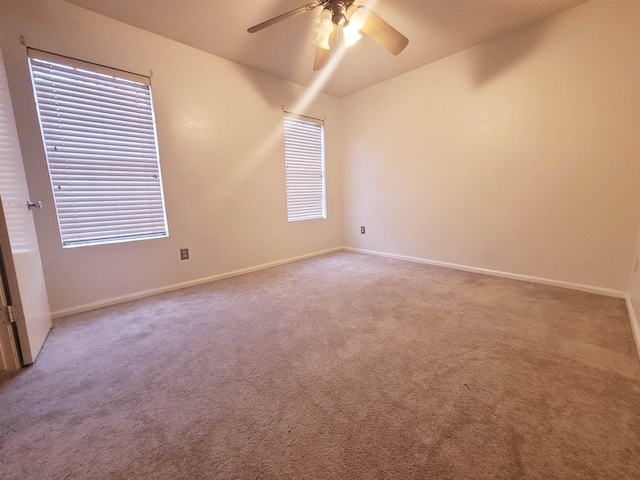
(8, 314)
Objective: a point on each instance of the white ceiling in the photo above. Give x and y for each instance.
(435, 28)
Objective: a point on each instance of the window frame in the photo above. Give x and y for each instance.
(103, 131)
(298, 130)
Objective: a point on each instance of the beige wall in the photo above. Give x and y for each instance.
(521, 154)
(222, 158)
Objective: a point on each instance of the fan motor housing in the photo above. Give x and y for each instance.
(338, 8)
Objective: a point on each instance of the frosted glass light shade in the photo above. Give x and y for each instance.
(323, 26)
(322, 41)
(356, 16)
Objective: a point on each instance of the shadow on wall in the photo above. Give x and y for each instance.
(494, 57)
(439, 25)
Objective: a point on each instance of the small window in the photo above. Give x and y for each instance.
(304, 159)
(99, 136)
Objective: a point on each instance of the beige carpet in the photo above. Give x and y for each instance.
(343, 366)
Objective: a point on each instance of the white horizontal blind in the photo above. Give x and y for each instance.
(100, 140)
(304, 159)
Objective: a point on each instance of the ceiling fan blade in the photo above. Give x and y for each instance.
(384, 34)
(322, 58)
(322, 55)
(284, 16)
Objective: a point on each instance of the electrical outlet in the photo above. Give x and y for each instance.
(635, 269)
(362, 230)
(184, 254)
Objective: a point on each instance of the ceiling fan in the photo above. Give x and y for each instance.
(340, 23)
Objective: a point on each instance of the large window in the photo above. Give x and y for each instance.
(304, 159)
(99, 135)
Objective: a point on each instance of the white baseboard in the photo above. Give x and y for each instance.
(177, 286)
(635, 326)
(610, 292)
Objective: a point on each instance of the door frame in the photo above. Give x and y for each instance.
(10, 358)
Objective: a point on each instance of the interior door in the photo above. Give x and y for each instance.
(27, 291)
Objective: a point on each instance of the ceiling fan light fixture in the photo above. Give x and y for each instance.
(340, 23)
(356, 16)
(323, 26)
(322, 41)
(351, 36)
